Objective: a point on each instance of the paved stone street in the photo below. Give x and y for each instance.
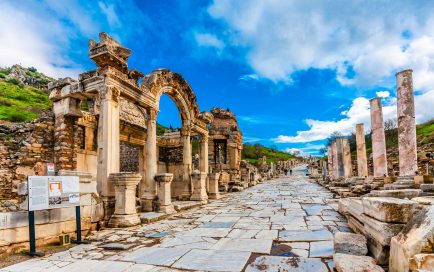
(284, 223)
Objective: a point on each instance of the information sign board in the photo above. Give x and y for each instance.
(50, 192)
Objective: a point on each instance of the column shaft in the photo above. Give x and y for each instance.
(362, 162)
(348, 167)
(378, 138)
(150, 189)
(407, 144)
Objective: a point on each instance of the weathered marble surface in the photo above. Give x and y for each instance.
(352, 263)
(293, 213)
(389, 209)
(350, 243)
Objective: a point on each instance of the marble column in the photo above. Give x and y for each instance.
(187, 162)
(150, 188)
(348, 167)
(362, 161)
(335, 160)
(108, 146)
(330, 161)
(125, 214)
(378, 139)
(163, 192)
(407, 145)
(340, 157)
(204, 154)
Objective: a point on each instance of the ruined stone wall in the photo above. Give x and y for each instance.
(24, 150)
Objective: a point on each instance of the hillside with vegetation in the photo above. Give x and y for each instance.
(23, 93)
(252, 153)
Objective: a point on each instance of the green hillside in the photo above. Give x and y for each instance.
(252, 153)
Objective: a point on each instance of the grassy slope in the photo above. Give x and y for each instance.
(20, 103)
(252, 153)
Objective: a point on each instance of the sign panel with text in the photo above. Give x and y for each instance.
(50, 192)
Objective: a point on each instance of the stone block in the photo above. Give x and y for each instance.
(351, 263)
(427, 187)
(378, 251)
(403, 193)
(416, 237)
(424, 200)
(355, 207)
(350, 243)
(22, 188)
(422, 262)
(388, 209)
(382, 232)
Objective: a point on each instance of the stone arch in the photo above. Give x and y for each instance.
(163, 81)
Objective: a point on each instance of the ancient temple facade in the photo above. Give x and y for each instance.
(118, 131)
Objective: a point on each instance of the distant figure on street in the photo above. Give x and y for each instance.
(290, 172)
(285, 171)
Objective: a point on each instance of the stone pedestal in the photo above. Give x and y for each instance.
(199, 190)
(125, 214)
(163, 192)
(378, 139)
(213, 180)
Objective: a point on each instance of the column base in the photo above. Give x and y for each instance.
(403, 182)
(147, 204)
(184, 196)
(109, 203)
(123, 220)
(214, 196)
(201, 198)
(167, 209)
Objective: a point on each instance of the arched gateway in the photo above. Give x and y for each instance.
(119, 126)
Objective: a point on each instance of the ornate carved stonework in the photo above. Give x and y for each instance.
(133, 114)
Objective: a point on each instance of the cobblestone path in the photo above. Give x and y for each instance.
(286, 224)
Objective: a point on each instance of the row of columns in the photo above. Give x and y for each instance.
(339, 159)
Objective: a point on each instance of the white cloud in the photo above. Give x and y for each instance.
(207, 39)
(359, 112)
(284, 36)
(383, 94)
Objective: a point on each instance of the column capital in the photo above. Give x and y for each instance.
(152, 114)
(185, 131)
(204, 139)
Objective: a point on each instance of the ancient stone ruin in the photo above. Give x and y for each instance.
(393, 214)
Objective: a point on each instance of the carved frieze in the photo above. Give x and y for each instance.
(133, 114)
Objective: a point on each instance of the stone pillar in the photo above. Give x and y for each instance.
(330, 161)
(199, 191)
(187, 161)
(163, 191)
(213, 179)
(108, 146)
(125, 214)
(335, 160)
(150, 188)
(348, 167)
(378, 139)
(362, 161)
(407, 144)
(340, 157)
(204, 154)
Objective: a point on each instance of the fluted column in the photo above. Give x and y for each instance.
(204, 153)
(362, 162)
(378, 138)
(150, 190)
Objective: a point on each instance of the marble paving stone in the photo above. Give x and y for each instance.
(300, 252)
(239, 233)
(267, 234)
(300, 245)
(322, 249)
(95, 266)
(292, 264)
(155, 255)
(117, 246)
(36, 265)
(305, 236)
(213, 224)
(251, 245)
(213, 260)
(226, 218)
(205, 232)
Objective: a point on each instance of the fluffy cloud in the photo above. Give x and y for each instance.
(43, 34)
(365, 47)
(359, 112)
(207, 39)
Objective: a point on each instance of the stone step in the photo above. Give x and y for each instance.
(150, 217)
(389, 209)
(380, 231)
(185, 205)
(404, 193)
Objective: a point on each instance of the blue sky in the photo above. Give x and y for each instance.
(292, 71)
